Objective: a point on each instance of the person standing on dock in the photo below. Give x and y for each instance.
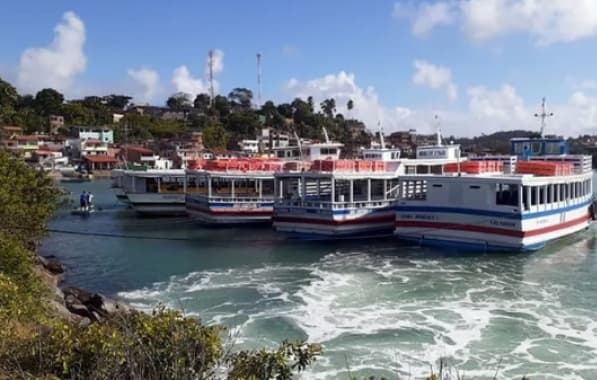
(89, 200)
(83, 200)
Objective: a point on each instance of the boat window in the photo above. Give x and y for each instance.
(542, 198)
(534, 198)
(556, 193)
(564, 191)
(414, 189)
(437, 185)
(549, 196)
(151, 185)
(474, 186)
(506, 194)
(536, 147)
(525, 198)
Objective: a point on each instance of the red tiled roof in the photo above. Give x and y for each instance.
(100, 158)
(93, 141)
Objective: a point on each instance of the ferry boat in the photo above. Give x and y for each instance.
(543, 195)
(117, 177)
(155, 191)
(239, 191)
(351, 197)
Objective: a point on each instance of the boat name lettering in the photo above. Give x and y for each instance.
(419, 216)
(502, 223)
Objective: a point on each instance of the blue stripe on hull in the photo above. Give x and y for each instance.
(498, 214)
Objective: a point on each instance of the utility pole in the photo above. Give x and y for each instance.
(258, 80)
(543, 115)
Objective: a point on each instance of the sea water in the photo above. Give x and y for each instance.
(377, 307)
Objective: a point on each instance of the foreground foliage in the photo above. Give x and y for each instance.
(36, 343)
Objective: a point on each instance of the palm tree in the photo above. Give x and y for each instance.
(349, 106)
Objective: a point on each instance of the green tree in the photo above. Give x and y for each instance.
(221, 105)
(201, 102)
(77, 114)
(49, 102)
(240, 98)
(311, 105)
(328, 106)
(8, 102)
(179, 102)
(349, 106)
(28, 198)
(117, 102)
(215, 137)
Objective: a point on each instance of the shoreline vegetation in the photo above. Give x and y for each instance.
(49, 332)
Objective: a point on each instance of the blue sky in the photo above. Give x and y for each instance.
(481, 65)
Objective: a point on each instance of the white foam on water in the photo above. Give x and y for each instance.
(391, 309)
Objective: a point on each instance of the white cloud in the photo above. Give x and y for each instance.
(183, 80)
(148, 80)
(57, 65)
(489, 110)
(435, 77)
(547, 21)
(425, 16)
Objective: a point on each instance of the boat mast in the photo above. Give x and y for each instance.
(438, 131)
(543, 115)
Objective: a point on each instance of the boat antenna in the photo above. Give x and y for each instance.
(298, 142)
(543, 115)
(438, 130)
(325, 135)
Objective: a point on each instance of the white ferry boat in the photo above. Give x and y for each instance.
(547, 196)
(351, 197)
(155, 191)
(231, 191)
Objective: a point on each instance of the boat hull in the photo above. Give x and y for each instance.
(480, 230)
(206, 211)
(307, 223)
(157, 204)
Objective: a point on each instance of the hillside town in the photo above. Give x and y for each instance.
(97, 134)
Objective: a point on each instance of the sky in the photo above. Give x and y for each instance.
(480, 65)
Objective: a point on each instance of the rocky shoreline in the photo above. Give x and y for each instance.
(70, 303)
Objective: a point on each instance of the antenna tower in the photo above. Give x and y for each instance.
(543, 115)
(211, 78)
(258, 79)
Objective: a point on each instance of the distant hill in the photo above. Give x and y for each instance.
(498, 142)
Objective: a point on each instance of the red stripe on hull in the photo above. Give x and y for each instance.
(232, 212)
(493, 230)
(377, 219)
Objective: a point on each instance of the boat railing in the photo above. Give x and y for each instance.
(300, 204)
(582, 163)
(235, 199)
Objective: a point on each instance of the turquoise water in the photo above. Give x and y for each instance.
(378, 307)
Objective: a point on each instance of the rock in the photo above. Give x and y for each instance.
(54, 267)
(84, 322)
(80, 309)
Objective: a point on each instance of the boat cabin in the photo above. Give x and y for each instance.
(154, 181)
(533, 147)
